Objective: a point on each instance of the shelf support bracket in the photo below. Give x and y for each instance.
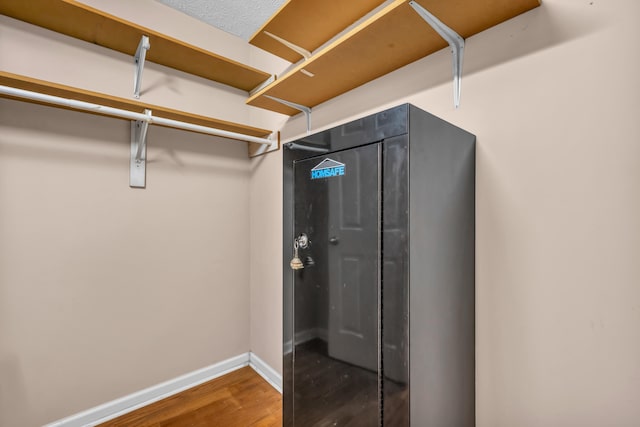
(294, 47)
(456, 42)
(138, 161)
(306, 110)
(138, 61)
(267, 148)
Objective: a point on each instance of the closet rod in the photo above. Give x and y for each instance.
(125, 114)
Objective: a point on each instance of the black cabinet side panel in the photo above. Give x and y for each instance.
(442, 272)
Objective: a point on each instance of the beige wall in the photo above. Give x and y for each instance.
(554, 99)
(265, 198)
(107, 290)
(266, 259)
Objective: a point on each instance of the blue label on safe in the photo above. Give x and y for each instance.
(327, 168)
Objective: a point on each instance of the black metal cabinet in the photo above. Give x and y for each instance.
(379, 323)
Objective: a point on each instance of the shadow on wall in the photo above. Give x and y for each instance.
(551, 24)
(13, 396)
(72, 137)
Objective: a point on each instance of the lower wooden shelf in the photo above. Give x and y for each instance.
(55, 89)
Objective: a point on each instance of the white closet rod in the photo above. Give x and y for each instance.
(125, 114)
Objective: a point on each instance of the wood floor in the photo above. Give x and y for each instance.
(239, 399)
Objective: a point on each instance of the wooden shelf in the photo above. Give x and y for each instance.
(309, 24)
(50, 88)
(392, 38)
(92, 25)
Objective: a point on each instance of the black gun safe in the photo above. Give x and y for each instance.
(379, 298)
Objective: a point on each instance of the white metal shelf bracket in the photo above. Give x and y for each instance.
(267, 148)
(294, 47)
(138, 162)
(262, 85)
(138, 61)
(139, 126)
(456, 42)
(306, 110)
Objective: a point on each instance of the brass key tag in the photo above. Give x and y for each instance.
(296, 263)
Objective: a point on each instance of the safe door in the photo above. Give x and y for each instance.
(346, 204)
(336, 294)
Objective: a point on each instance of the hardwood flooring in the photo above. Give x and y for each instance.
(328, 392)
(239, 399)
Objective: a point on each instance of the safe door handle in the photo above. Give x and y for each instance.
(334, 240)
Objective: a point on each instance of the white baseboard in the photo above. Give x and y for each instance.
(265, 371)
(126, 404)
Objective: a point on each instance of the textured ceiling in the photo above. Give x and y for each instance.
(239, 17)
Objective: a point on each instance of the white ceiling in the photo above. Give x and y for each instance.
(239, 17)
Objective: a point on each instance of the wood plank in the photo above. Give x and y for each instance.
(390, 39)
(241, 398)
(309, 24)
(92, 25)
(469, 17)
(50, 88)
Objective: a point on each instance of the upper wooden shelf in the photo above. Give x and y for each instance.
(50, 88)
(86, 23)
(389, 39)
(309, 24)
